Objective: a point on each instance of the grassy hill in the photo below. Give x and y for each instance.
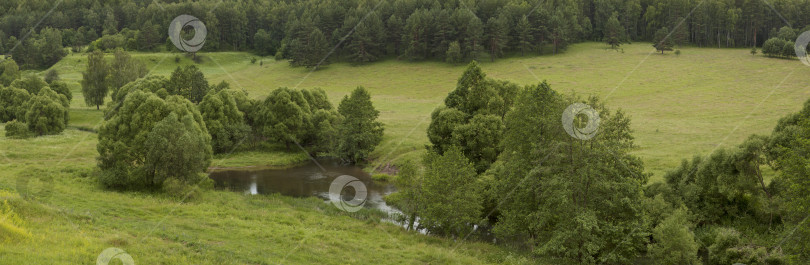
(681, 105)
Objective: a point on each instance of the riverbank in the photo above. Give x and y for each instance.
(70, 219)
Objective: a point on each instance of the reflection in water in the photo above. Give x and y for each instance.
(304, 181)
(310, 180)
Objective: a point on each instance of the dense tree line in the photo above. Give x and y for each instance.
(305, 32)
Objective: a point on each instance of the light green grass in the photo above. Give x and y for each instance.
(680, 105)
(75, 220)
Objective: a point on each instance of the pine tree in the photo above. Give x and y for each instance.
(497, 36)
(360, 131)
(525, 37)
(614, 31)
(368, 38)
(394, 30)
(661, 40)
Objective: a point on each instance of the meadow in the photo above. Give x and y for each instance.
(680, 106)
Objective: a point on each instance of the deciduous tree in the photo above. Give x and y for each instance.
(94, 80)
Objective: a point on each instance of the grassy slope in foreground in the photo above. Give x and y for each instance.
(680, 105)
(72, 219)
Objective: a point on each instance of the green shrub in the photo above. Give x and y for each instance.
(16, 129)
(13, 103)
(224, 121)
(674, 242)
(30, 83)
(62, 89)
(150, 140)
(773, 47)
(47, 113)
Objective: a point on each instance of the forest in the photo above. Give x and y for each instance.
(305, 31)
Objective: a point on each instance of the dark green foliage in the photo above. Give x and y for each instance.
(62, 89)
(472, 118)
(302, 117)
(95, 84)
(284, 116)
(788, 153)
(727, 246)
(151, 139)
(283, 27)
(725, 186)
(124, 69)
(224, 120)
(366, 43)
(525, 36)
(154, 83)
(263, 43)
(786, 33)
(308, 48)
(16, 129)
(454, 53)
(662, 41)
(39, 50)
(13, 103)
(188, 82)
(773, 47)
(359, 132)
(788, 50)
(47, 113)
(177, 148)
(9, 71)
(614, 33)
(450, 195)
(573, 199)
(674, 243)
(30, 83)
(408, 196)
(51, 76)
(497, 36)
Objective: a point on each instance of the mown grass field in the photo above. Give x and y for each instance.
(680, 106)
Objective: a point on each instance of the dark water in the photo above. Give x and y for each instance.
(304, 181)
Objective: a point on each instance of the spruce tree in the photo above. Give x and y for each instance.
(360, 132)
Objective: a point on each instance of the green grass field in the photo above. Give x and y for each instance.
(680, 106)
